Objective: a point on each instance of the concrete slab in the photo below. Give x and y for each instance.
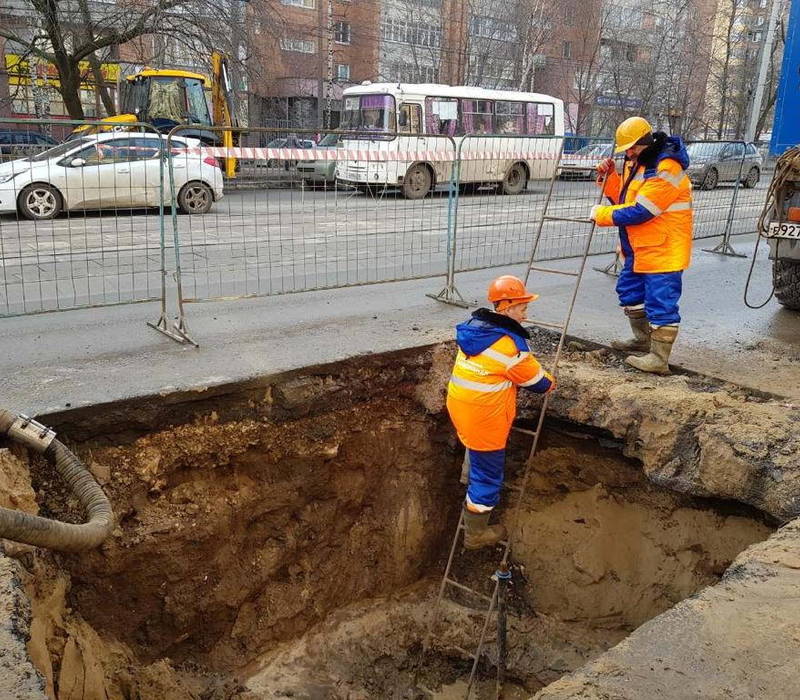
(63, 360)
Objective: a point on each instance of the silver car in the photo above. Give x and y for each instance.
(711, 163)
(321, 171)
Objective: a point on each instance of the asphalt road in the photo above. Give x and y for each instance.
(267, 241)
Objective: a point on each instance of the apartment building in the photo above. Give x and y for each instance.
(302, 59)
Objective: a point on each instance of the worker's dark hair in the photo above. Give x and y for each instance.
(646, 140)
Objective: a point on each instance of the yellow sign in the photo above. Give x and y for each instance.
(19, 72)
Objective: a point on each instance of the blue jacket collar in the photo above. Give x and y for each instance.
(485, 328)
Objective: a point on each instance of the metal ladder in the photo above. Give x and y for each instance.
(502, 575)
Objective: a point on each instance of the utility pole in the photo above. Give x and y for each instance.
(329, 83)
(325, 80)
(766, 55)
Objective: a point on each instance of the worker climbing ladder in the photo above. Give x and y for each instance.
(495, 602)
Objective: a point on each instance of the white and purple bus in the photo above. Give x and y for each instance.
(405, 126)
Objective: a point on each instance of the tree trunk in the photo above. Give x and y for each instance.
(70, 86)
(100, 86)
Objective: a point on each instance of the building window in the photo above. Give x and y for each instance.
(762, 3)
(410, 73)
(343, 71)
(308, 4)
(567, 52)
(760, 21)
(490, 28)
(757, 37)
(299, 45)
(341, 33)
(413, 33)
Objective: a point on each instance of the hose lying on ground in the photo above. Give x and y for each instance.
(52, 534)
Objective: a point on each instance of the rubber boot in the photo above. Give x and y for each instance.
(641, 333)
(477, 531)
(657, 360)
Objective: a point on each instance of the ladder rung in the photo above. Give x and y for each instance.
(545, 324)
(467, 589)
(425, 689)
(573, 219)
(568, 273)
(532, 433)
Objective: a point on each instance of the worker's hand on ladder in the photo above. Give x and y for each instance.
(606, 166)
(593, 212)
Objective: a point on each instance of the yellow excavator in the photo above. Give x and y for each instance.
(167, 98)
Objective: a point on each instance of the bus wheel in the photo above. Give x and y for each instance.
(515, 179)
(417, 182)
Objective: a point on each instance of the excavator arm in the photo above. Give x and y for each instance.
(223, 105)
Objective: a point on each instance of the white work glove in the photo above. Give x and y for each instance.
(606, 166)
(593, 212)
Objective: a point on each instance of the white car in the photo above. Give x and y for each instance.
(582, 163)
(114, 170)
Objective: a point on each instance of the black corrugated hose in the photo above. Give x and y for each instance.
(53, 534)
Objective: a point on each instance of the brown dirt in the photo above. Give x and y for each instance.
(235, 536)
(603, 550)
(276, 540)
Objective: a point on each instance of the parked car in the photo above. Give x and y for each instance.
(18, 144)
(711, 163)
(570, 166)
(321, 171)
(287, 143)
(108, 170)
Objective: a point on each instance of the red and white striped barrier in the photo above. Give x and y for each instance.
(347, 154)
(343, 154)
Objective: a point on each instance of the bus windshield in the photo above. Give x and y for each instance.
(374, 113)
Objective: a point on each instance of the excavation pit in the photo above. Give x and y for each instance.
(286, 537)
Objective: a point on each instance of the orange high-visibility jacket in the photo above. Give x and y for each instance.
(492, 361)
(656, 212)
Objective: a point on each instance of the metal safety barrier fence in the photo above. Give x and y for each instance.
(79, 220)
(308, 211)
(354, 208)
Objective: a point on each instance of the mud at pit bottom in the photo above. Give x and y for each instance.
(599, 551)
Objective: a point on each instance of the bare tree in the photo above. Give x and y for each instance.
(534, 31)
(78, 35)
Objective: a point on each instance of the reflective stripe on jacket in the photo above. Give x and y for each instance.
(655, 210)
(482, 392)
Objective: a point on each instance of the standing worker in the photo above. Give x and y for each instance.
(493, 360)
(652, 206)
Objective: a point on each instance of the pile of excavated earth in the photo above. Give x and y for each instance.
(285, 538)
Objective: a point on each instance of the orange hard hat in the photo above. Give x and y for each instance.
(509, 289)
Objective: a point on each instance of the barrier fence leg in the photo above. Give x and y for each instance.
(612, 268)
(449, 294)
(178, 332)
(724, 247)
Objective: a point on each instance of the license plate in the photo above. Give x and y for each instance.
(778, 229)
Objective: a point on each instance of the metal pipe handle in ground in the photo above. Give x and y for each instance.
(52, 534)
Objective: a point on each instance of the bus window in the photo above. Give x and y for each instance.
(369, 113)
(442, 116)
(477, 116)
(410, 119)
(541, 118)
(509, 118)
